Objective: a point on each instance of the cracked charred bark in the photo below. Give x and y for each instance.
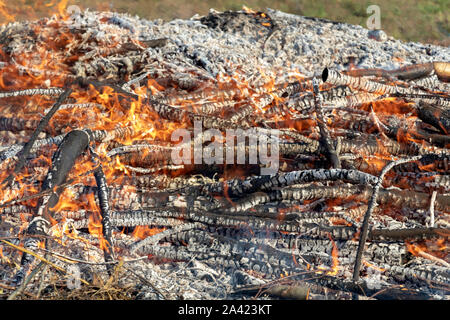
(71, 147)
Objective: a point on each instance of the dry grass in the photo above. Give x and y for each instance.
(56, 288)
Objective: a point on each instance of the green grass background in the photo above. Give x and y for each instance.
(410, 20)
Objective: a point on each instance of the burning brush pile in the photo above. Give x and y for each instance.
(225, 156)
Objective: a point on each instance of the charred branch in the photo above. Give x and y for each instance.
(324, 134)
(103, 200)
(71, 147)
(26, 149)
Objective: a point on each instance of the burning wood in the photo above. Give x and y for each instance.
(156, 151)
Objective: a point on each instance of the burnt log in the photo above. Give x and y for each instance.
(26, 149)
(103, 200)
(63, 160)
(437, 117)
(324, 133)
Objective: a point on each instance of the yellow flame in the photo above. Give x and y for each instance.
(369, 265)
(3, 11)
(247, 9)
(62, 8)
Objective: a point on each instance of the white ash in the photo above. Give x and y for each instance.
(301, 44)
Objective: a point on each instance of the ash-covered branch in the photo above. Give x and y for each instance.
(361, 83)
(26, 149)
(325, 137)
(63, 160)
(371, 206)
(103, 200)
(32, 92)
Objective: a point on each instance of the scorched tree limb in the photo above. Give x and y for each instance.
(371, 206)
(103, 200)
(26, 149)
(325, 137)
(73, 144)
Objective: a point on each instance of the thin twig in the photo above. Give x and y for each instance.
(90, 262)
(324, 133)
(433, 258)
(39, 257)
(146, 282)
(5, 286)
(370, 208)
(432, 201)
(41, 281)
(24, 284)
(380, 126)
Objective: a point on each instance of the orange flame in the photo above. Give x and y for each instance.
(248, 10)
(334, 257)
(437, 248)
(369, 265)
(142, 232)
(61, 7)
(334, 269)
(4, 12)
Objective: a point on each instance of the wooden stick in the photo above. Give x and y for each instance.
(22, 287)
(370, 208)
(433, 258)
(39, 257)
(5, 286)
(23, 154)
(64, 257)
(295, 292)
(32, 92)
(432, 201)
(324, 133)
(103, 199)
(412, 233)
(146, 282)
(410, 72)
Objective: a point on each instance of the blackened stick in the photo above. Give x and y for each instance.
(73, 144)
(103, 199)
(324, 133)
(26, 149)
